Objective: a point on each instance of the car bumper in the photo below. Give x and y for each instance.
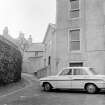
(101, 85)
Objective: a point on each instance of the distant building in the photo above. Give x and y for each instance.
(33, 57)
(21, 41)
(50, 48)
(79, 36)
(32, 52)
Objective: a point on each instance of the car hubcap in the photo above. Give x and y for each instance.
(47, 87)
(91, 89)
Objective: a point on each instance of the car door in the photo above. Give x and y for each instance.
(63, 80)
(78, 78)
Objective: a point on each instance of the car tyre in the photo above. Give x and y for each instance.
(91, 88)
(47, 87)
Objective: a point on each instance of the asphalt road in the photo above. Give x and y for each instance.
(32, 95)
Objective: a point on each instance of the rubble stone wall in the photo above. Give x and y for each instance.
(10, 62)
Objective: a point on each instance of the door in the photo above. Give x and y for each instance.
(64, 79)
(78, 77)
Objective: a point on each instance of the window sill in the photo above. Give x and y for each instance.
(75, 51)
(73, 19)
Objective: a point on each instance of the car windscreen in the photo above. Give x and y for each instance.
(66, 72)
(93, 71)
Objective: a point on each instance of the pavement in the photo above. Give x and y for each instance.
(10, 92)
(13, 87)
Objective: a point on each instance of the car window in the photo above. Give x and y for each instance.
(66, 72)
(79, 72)
(93, 71)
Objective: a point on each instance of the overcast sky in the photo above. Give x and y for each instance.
(29, 16)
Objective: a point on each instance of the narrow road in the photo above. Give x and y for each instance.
(32, 95)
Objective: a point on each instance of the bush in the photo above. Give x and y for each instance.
(10, 63)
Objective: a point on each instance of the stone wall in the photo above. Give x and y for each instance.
(10, 62)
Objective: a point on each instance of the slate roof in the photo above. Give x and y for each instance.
(36, 47)
(48, 28)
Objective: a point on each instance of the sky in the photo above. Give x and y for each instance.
(28, 16)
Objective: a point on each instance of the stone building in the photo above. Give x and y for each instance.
(21, 42)
(80, 34)
(32, 52)
(33, 58)
(49, 54)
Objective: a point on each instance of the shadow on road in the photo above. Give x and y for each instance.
(74, 91)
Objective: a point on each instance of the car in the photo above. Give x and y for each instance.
(84, 78)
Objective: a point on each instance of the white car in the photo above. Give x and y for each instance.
(75, 78)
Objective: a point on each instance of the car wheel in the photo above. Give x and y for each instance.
(91, 88)
(47, 87)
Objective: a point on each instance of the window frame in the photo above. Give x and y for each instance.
(76, 64)
(70, 40)
(74, 9)
(74, 17)
(76, 1)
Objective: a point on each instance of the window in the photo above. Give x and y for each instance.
(79, 72)
(74, 11)
(93, 71)
(76, 64)
(75, 34)
(74, 39)
(74, 4)
(49, 60)
(66, 72)
(75, 45)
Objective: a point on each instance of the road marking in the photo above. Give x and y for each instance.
(35, 95)
(2, 96)
(23, 96)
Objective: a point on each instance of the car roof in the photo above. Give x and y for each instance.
(75, 67)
